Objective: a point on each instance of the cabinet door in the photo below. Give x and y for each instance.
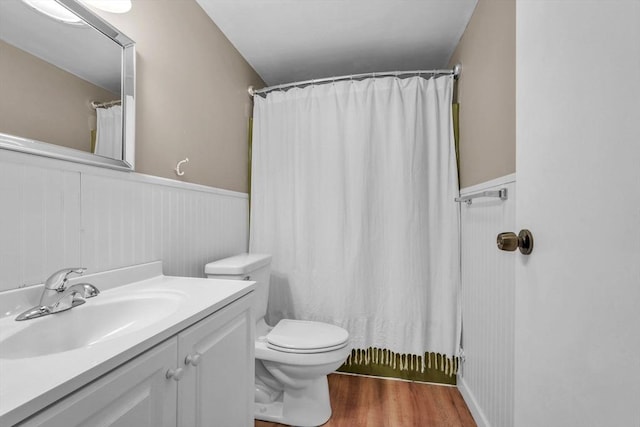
(218, 389)
(134, 394)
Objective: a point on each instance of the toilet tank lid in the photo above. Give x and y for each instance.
(238, 264)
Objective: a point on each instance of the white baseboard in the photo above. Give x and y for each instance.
(472, 404)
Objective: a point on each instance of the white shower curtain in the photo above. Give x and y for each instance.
(109, 132)
(353, 187)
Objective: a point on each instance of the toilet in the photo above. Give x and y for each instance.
(293, 358)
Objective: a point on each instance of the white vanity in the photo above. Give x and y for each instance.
(149, 350)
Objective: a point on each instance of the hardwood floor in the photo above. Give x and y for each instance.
(371, 402)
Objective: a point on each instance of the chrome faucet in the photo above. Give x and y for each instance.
(56, 296)
(56, 284)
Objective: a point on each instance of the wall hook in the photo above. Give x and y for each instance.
(177, 169)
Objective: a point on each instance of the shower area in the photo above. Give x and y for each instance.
(353, 188)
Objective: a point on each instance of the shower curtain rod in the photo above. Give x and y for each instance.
(95, 104)
(455, 71)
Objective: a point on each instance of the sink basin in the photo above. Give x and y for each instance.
(102, 318)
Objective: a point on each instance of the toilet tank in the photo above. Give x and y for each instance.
(254, 267)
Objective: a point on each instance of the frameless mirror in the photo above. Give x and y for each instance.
(66, 85)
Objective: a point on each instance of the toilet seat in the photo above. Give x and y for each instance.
(305, 351)
(303, 336)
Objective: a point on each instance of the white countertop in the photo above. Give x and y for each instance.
(30, 384)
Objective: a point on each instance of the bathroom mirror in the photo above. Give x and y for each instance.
(57, 75)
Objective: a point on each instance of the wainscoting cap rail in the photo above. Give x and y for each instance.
(468, 199)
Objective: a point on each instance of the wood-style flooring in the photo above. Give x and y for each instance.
(373, 402)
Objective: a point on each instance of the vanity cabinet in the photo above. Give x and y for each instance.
(203, 376)
(217, 388)
(134, 394)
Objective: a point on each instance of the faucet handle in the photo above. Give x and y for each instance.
(88, 290)
(57, 280)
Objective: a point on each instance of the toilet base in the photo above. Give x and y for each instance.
(271, 412)
(303, 407)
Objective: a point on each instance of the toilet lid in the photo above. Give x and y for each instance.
(302, 336)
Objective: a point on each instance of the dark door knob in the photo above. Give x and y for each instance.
(510, 242)
(507, 241)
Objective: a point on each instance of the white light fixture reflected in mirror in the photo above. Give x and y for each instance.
(55, 10)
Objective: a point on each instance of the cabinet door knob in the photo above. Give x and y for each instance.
(193, 360)
(175, 374)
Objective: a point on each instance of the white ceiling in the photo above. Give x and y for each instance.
(294, 40)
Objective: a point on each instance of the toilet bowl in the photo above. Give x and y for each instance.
(293, 357)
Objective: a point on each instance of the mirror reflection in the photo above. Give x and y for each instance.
(62, 79)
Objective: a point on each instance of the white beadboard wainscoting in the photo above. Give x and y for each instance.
(57, 214)
(486, 379)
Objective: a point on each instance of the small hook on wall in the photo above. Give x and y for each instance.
(177, 169)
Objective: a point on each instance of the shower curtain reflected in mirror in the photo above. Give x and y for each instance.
(109, 132)
(353, 187)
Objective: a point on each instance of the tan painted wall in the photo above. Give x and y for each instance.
(57, 102)
(486, 92)
(191, 95)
